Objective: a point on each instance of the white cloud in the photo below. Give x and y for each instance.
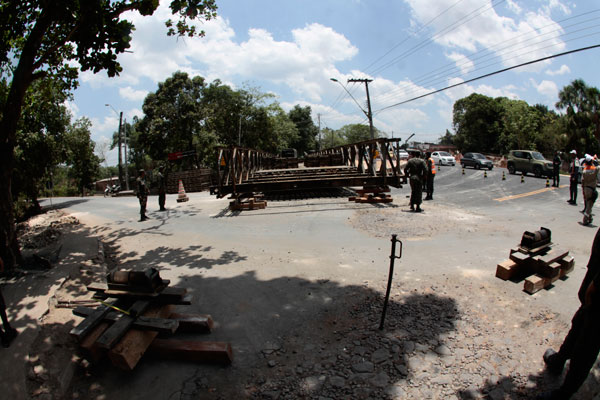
(564, 69)
(547, 88)
(73, 109)
(476, 25)
(465, 90)
(132, 94)
(462, 62)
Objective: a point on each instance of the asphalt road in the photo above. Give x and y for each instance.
(261, 274)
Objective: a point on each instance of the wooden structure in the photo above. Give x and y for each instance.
(195, 180)
(540, 264)
(137, 306)
(243, 173)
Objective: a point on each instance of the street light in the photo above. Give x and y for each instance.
(368, 113)
(119, 139)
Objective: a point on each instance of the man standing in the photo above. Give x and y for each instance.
(430, 176)
(142, 194)
(574, 168)
(582, 343)
(556, 169)
(416, 170)
(162, 188)
(589, 180)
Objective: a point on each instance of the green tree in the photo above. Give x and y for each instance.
(39, 145)
(581, 104)
(41, 39)
(84, 164)
(447, 139)
(476, 121)
(286, 132)
(307, 131)
(354, 133)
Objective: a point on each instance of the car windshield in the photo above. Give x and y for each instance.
(445, 154)
(537, 156)
(479, 156)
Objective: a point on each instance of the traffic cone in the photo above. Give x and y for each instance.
(463, 171)
(485, 174)
(547, 182)
(503, 176)
(522, 178)
(181, 197)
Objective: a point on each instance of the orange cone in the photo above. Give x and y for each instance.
(181, 197)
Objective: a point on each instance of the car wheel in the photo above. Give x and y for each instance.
(490, 167)
(511, 169)
(477, 166)
(537, 171)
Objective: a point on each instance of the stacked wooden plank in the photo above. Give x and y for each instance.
(128, 323)
(540, 268)
(248, 202)
(280, 163)
(324, 160)
(196, 180)
(372, 194)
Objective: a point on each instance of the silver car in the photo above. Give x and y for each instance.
(443, 158)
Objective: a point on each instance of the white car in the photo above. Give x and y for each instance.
(443, 158)
(403, 154)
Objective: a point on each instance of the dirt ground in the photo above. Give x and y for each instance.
(444, 337)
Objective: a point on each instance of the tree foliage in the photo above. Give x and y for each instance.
(84, 164)
(307, 131)
(45, 39)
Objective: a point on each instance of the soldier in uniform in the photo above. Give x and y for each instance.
(415, 169)
(589, 180)
(574, 171)
(162, 188)
(142, 194)
(556, 161)
(582, 343)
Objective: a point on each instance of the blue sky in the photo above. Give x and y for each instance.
(407, 47)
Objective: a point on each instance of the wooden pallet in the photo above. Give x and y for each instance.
(374, 194)
(251, 203)
(127, 325)
(539, 268)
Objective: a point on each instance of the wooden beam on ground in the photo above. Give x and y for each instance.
(507, 269)
(193, 323)
(205, 352)
(117, 330)
(130, 349)
(161, 325)
(88, 324)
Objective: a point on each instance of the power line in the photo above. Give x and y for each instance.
(490, 74)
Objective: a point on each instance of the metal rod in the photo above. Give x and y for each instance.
(393, 256)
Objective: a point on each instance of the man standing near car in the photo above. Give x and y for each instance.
(416, 169)
(430, 176)
(556, 169)
(574, 170)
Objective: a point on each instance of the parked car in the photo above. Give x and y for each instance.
(443, 158)
(528, 161)
(476, 160)
(403, 154)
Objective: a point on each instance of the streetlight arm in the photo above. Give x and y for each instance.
(350, 94)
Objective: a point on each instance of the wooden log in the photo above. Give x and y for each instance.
(193, 323)
(88, 324)
(88, 345)
(534, 283)
(520, 258)
(507, 270)
(161, 325)
(127, 353)
(117, 330)
(567, 265)
(205, 352)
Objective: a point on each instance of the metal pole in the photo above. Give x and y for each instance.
(369, 109)
(126, 166)
(119, 136)
(393, 256)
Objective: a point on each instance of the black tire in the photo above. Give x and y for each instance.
(490, 167)
(511, 169)
(477, 166)
(537, 171)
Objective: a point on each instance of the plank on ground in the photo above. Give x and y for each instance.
(161, 325)
(120, 328)
(130, 349)
(206, 352)
(507, 269)
(193, 323)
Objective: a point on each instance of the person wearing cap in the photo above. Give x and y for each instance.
(415, 169)
(162, 189)
(574, 171)
(589, 181)
(556, 161)
(142, 194)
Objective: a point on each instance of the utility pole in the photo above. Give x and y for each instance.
(369, 113)
(126, 166)
(119, 136)
(319, 119)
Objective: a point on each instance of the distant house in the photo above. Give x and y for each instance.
(100, 185)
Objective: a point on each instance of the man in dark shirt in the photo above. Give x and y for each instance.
(142, 194)
(556, 169)
(162, 188)
(416, 170)
(582, 343)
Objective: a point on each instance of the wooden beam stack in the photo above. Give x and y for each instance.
(540, 268)
(127, 324)
(372, 194)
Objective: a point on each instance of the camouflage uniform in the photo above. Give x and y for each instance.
(416, 170)
(142, 194)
